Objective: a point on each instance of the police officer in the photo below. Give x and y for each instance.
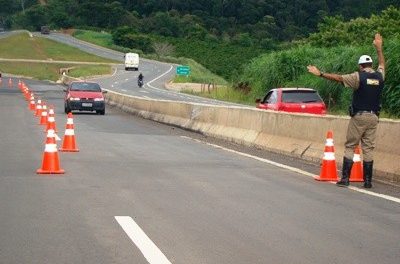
(367, 85)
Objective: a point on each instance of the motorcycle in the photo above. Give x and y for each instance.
(140, 83)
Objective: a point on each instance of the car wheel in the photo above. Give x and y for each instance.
(101, 112)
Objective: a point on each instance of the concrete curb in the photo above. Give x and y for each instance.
(298, 135)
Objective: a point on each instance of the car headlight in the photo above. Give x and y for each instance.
(98, 99)
(74, 99)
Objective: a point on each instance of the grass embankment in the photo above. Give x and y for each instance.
(288, 69)
(21, 46)
(199, 73)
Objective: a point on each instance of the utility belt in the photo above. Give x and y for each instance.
(353, 112)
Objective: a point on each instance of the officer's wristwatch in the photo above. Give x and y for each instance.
(321, 74)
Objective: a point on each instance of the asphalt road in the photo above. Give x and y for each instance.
(156, 74)
(197, 203)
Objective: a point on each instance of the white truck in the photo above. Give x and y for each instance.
(131, 61)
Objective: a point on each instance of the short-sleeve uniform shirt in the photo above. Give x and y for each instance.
(352, 80)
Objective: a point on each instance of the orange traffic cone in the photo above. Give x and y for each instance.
(43, 116)
(51, 121)
(50, 163)
(69, 143)
(27, 93)
(19, 84)
(328, 169)
(357, 169)
(38, 108)
(32, 105)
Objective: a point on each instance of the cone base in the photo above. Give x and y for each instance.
(41, 171)
(318, 178)
(68, 150)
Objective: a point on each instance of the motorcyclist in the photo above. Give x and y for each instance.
(140, 80)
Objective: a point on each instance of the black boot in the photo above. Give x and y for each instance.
(367, 173)
(346, 170)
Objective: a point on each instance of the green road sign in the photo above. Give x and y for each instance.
(183, 70)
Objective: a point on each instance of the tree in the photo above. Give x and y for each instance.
(163, 49)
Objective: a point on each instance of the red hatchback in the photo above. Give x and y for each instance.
(84, 96)
(295, 100)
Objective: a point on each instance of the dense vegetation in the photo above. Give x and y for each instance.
(288, 68)
(220, 34)
(227, 36)
(261, 19)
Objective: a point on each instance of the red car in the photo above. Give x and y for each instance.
(84, 96)
(295, 100)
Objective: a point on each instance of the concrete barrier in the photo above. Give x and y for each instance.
(298, 135)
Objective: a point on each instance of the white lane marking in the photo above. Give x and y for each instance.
(379, 195)
(155, 79)
(116, 82)
(123, 90)
(147, 97)
(112, 85)
(149, 250)
(126, 79)
(143, 91)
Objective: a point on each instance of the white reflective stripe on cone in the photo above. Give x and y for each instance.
(356, 158)
(329, 142)
(70, 121)
(69, 132)
(51, 111)
(50, 148)
(329, 156)
(51, 119)
(44, 113)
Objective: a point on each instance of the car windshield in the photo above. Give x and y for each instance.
(300, 96)
(89, 87)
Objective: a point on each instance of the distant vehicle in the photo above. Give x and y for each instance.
(84, 96)
(295, 100)
(45, 30)
(132, 61)
(140, 83)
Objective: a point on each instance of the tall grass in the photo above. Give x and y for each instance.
(289, 69)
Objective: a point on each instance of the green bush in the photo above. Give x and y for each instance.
(335, 31)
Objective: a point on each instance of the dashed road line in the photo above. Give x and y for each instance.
(149, 250)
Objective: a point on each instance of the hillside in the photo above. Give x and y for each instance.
(288, 68)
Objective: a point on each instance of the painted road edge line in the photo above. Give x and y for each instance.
(379, 195)
(155, 79)
(149, 250)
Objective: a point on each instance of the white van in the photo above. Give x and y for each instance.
(131, 61)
